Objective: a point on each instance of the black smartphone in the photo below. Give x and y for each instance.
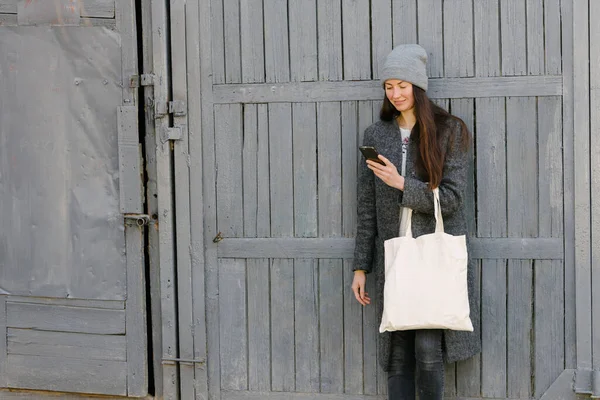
(370, 153)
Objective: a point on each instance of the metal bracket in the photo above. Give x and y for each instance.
(178, 108)
(171, 134)
(140, 219)
(147, 79)
(134, 81)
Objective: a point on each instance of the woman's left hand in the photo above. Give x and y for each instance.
(388, 173)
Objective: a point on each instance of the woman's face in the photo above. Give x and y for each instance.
(400, 94)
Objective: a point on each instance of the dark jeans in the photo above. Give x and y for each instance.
(417, 351)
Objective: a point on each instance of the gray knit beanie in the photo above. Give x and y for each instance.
(407, 63)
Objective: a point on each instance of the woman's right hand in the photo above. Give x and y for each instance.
(358, 287)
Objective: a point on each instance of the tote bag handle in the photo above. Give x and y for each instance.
(439, 222)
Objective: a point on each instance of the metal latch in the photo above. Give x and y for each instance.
(171, 134)
(140, 219)
(147, 79)
(178, 108)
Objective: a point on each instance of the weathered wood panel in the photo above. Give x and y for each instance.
(595, 189)
(356, 39)
(458, 38)
(110, 304)
(252, 41)
(217, 41)
(277, 53)
(513, 37)
(404, 21)
(89, 8)
(231, 33)
(430, 30)
(303, 40)
(329, 34)
(381, 33)
(65, 319)
(64, 344)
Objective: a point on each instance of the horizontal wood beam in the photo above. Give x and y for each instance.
(481, 248)
(440, 88)
(89, 8)
(250, 395)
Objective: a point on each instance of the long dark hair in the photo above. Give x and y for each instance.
(429, 162)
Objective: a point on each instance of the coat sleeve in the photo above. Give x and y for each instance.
(417, 194)
(366, 229)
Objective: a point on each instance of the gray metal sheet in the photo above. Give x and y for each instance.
(62, 232)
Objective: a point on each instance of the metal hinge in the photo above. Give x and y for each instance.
(173, 133)
(177, 107)
(135, 81)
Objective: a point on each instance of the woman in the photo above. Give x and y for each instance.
(431, 146)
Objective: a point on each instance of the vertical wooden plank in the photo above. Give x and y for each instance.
(197, 79)
(306, 312)
(305, 169)
(252, 41)
(404, 22)
(514, 37)
(3, 335)
(218, 41)
(430, 31)
(135, 319)
(277, 53)
(257, 270)
(595, 189)
(185, 317)
(303, 40)
(487, 37)
(458, 39)
(552, 19)
(535, 37)
(568, 138)
(521, 138)
(381, 33)
(206, 341)
(491, 217)
(263, 209)
(353, 338)
(330, 225)
(468, 373)
(370, 326)
(231, 33)
(282, 225)
(356, 39)
(306, 273)
(329, 34)
(228, 149)
(233, 323)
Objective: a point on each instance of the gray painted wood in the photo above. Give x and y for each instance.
(491, 217)
(89, 8)
(135, 314)
(304, 139)
(568, 177)
(513, 37)
(3, 342)
(582, 186)
(282, 225)
(522, 196)
(487, 37)
(64, 344)
(440, 88)
(330, 224)
(217, 37)
(303, 40)
(356, 39)
(129, 160)
(232, 41)
(535, 37)
(8, 20)
(228, 150)
(349, 166)
(481, 248)
(164, 195)
(206, 336)
(65, 319)
(381, 33)
(126, 26)
(458, 39)
(252, 41)
(67, 375)
(594, 12)
(282, 324)
(277, 52)
(404, 22)
(185, 318)
(306, 318)
(430, 30)
(256, 197)
(114, 305)
(552, 36)
(233, 324)
(105, 23)
(329, 34)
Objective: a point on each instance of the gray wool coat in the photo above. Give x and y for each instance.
(378, 220)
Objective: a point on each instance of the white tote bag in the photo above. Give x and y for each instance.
(426, 280)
